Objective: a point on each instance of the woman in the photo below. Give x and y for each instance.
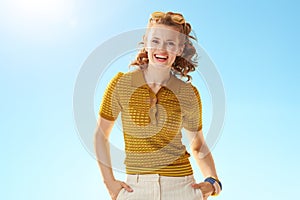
(155, 105)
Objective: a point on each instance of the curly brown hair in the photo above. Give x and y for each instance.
(187, 61)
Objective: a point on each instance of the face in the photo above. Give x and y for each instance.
(163, 44)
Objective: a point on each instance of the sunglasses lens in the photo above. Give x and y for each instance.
(158, 14)
(178, 19)
(175, 17)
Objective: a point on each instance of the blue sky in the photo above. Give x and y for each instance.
(254, 45)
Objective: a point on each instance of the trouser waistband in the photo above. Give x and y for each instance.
(156, 177)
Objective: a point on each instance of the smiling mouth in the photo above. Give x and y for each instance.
(160, 57)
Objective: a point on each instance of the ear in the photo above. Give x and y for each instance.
(145, 42)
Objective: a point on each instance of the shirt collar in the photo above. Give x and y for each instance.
(138, 80)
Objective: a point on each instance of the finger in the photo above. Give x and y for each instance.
(197, 186)
(126, 187)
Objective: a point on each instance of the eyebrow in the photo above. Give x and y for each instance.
(173, 40)
(156, 38)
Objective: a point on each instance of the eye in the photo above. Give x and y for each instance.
(171, 43)
(155, 41)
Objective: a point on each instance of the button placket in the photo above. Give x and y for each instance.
(153, 108)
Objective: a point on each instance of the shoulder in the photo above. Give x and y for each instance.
(117, 77)
(184, 87)
(124, 80)
(187, 91)
(121, 76)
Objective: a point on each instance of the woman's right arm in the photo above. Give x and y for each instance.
(102, 149)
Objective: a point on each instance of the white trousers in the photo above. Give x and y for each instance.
(156, 187)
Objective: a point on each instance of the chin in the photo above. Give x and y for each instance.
(161, 66)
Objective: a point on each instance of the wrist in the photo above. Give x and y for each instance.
(109, 181)
(216, 184)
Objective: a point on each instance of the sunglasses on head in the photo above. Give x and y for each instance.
(176, 17)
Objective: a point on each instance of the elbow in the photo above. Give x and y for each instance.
(201, 152)
(99, 136)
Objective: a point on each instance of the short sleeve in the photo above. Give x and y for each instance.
(192, 120)
(110, 106)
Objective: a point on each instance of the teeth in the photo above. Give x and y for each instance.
(161, 56)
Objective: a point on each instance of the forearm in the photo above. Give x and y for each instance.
(102, 150)
(211, 185)
(205, 163)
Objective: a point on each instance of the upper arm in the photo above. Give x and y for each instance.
(196, 139)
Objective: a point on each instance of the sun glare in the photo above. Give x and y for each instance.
(40, 9)
(39, 17)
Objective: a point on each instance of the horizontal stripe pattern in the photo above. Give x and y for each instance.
(152, 122)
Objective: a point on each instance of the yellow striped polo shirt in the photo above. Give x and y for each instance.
(152, 122)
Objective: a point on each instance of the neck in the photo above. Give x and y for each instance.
(157, 76)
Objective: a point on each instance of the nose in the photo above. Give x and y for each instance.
(162, 46)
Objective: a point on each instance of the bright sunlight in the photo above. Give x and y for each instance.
(50, 10)
(39, 17)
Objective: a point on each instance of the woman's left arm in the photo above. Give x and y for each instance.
(204, 159)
